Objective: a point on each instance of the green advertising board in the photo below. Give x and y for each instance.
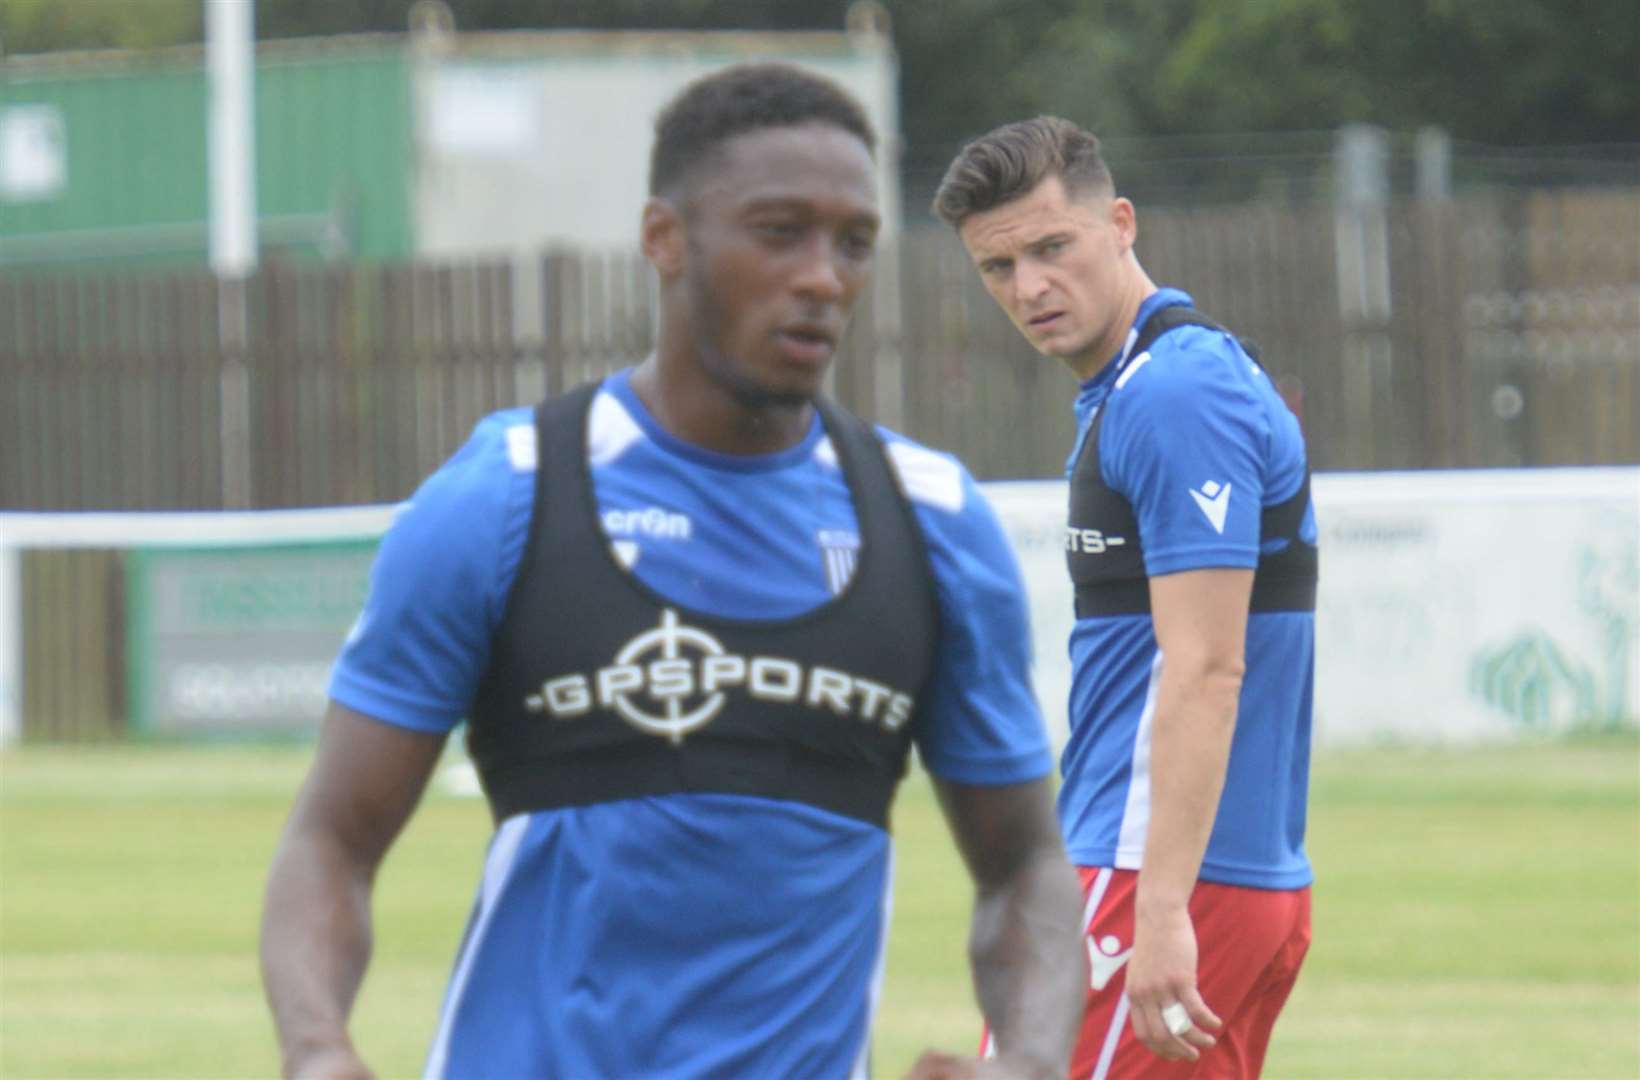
(239, 640)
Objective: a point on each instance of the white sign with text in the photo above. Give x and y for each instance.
(1453, 606)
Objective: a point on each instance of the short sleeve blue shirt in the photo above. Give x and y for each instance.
(1197, 439)
(767, 946)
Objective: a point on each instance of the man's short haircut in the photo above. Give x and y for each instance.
(1009, 162)
(715, 108)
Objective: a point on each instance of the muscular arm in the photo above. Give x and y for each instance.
(1201, 626)
(1029, 968)
(366, 778)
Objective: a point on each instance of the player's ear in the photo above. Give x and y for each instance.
(660, 233)
(1125, 221)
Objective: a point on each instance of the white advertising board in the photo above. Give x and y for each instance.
(1453, 606)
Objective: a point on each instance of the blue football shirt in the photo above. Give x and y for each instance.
(1198, 441)
(695, 934)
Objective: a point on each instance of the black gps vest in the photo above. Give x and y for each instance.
(599, 689)
(1103, 547)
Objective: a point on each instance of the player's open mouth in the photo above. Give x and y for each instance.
(806, 343)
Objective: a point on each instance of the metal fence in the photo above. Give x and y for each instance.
(1484, 332)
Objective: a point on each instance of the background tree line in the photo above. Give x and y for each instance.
(1506, 73)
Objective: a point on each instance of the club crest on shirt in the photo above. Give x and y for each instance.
(839, 551)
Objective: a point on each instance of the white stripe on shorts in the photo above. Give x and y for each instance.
(1096, 896)
(1112, 1037)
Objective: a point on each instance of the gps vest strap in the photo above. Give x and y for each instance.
(1112, 580)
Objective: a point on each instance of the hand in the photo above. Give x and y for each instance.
(337, 1063)
(1161, 973)
(938, 1065)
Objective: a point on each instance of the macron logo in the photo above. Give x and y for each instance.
(1105, 959)
(1214, 502)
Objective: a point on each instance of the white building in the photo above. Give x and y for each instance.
(525, 140)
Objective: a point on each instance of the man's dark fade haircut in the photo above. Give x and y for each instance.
(1009, 162)
(715, 108)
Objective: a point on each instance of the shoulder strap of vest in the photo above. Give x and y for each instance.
(882, 498)
(567, 407)
(864, 454)
(860, 446)
(857, 443)
(1174, 316)
(561, 431)
(560, 427)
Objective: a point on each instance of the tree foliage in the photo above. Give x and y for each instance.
(1505, 72)
(30, 26)
(1509, 72)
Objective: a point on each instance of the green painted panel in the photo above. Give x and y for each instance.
(334, 135)
(134, 152)
(333, 157)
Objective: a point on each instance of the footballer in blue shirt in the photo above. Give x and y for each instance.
(1191, 547)
(695, 618)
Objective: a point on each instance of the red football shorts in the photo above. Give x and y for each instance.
(1250, 944)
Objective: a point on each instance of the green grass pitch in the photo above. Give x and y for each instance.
(1477, 914)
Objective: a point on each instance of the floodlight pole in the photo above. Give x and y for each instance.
(230, 27)
(229, 32)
